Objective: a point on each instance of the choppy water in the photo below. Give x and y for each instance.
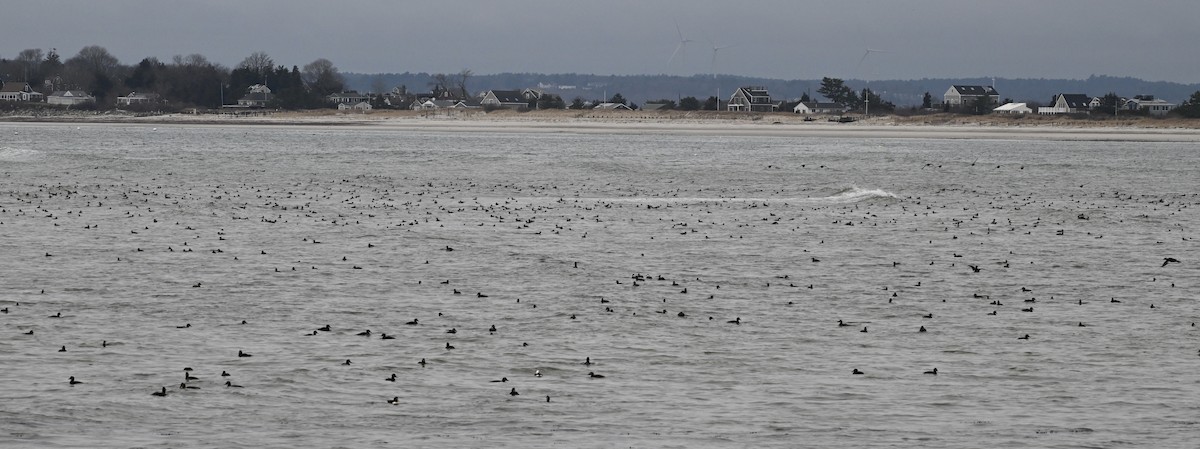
(134, 231)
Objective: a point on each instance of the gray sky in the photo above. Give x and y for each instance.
(789, 39)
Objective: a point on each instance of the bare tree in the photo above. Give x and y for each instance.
(258, 62)
(440, 85)
(323, 77)
(463, 76)
(96, 59)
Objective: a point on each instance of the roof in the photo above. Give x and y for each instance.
(15, 87)
(974, 90)
(70, 93)
(611, 106)
(753, 91)
(1010, 107)
(1076, 101)
(509, 96)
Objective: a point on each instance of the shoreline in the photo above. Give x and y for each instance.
(946, 126)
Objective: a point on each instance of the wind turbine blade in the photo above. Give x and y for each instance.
(672, 58)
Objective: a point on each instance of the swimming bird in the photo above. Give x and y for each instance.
(385, 336)
(1167, 260)
(841, 324)
(502, 379)
(737, 321)
(492, 329)
(57, 315)
(160, 393)
(391, 379)
(63, 349)
(922, 329)
(447, 347)
(243, 354)
(224, 374)
(412, 323)
(366, 333)
(933, 372)
(452, 331)
(232, 385)
(588, 361)
(1026, 337)
(188, 376)
(347, 362)
(594, 375)
(184, 326)
(184, 386)
(537, 373)
(394, 400)
(856, 371)
(864, 330)
(422, 362)
(325, 328)
(72, 381)
(514, 392)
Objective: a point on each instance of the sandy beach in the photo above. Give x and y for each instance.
(943, 126)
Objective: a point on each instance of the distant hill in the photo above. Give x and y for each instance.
(640, 88)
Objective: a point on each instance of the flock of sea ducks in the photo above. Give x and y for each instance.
(134, 201)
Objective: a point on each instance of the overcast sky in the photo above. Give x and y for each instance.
(788, 39)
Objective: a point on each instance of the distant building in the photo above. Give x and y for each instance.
(959, 95)
(504, 99)
(13, 91)
(813, 107)
(349, 98)
(1013, 108)
(69, 97)
(1067, 104)
(751, 99)
(656, 106)
(360, 106)
(613, 107)
(257, 96)
(137, 98)
(1150, 104)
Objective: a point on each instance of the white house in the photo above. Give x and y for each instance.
(959, 95)
(69, 97)
(19, 92)
(1067, 104)
(1013, 108)
(360, 106)
(257, 96)
(751, 99)
(137, 98)
(813, 107)
(348, 98)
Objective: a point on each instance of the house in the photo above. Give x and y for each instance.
(137, 98)
(360, 106)
(613, 107)
(751, 99)
(257, 96)
(958, 95)
(656, 106)
(19, 92)
(349, 98)
(813, 107)
(504, 99)
(1013, 108)
(1151, 105)
(1067, 104)
(69, 97)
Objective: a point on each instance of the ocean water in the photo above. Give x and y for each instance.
(157, 248)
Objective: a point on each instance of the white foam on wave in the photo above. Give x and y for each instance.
(848, 195)
(18, 154)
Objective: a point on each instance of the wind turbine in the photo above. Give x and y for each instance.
(867, 100)
(713, 65)
(681, 48)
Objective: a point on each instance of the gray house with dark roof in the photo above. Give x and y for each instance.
(959, 95)
(510, 99)
(1068, 104)
(751, 99)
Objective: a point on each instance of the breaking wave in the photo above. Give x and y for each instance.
(18, 154)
